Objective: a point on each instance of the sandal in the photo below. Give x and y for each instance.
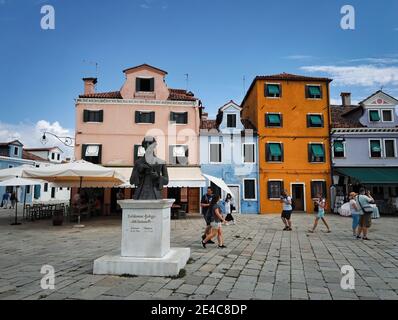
(365, 238)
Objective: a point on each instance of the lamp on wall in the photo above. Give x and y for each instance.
(66, 141)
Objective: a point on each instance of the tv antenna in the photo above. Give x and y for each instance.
(93, 63)
(244, 86)
(187, 80)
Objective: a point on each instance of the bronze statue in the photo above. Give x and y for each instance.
(149, 174)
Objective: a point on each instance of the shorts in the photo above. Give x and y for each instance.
(286, 214)
(207, 219)
(355, 220)
(215, 225)
(365, 220)
(321, 214)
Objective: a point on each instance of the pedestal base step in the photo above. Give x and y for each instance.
(169, 265)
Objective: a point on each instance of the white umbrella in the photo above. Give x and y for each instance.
(9, 173)
(80, 174)
(19, 182)
(219, 182)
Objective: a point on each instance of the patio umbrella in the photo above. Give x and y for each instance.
(19, 182)
(219, 183)
(81, 174)
(15, 172)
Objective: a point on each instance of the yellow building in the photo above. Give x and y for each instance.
(292, 115)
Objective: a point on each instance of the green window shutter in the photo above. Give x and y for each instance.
(315, 120)
(152, 85)
(313, 189)
(85, 116)
(84, 148)
(274, 119)
(314, 90)
(338, 146)
(137, 117)
(325, 194)
(101, 116)
(185, 117)
(137, 84)
(374, 115)
(172, 116)
(273, 90)
(275, 149)
(375, 146)
(152, 117)
(317, 150)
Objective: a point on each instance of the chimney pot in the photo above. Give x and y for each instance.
(89, 85)
(346, 99)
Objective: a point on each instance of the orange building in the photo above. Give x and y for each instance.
(293, 119)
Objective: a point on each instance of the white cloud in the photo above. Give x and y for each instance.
(337, 101)
(363, 75)
(30, 133)
(386, 60)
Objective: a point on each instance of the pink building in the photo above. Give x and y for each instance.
(110, 127)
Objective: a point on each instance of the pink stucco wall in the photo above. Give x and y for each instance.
(119, 133)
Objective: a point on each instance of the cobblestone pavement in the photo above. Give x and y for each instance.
(260, 261)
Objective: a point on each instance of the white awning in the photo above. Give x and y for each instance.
(179, 177)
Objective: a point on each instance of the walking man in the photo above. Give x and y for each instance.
(364, 200)
(286, 200)
(205, 204)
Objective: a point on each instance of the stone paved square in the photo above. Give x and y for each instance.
(260, 261)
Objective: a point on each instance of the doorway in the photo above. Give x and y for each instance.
(236, 197)
(298, 196)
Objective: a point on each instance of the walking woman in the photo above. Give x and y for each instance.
(216, 219)
(13, 199)
(355, 213)
(228, 205)
(321, 202)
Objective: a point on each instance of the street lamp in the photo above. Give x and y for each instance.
(66, 141)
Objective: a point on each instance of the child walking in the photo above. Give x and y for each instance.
(321, 203)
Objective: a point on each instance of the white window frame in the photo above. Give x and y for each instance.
(179, 124)
(144, 111)
(93, 122)
(185, 146)
(254, 153)
(380, 116)
(319, 180)
(385, 149)
(146, 78)
(17, 150)
(212, 143)
(273, 180)
(274, 83)
(344, 147)
(314, 85)
(381, 147)
(92, 144)
(255, 189)
(392, 115)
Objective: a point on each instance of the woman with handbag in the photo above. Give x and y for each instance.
(229, 206)
(364, 199)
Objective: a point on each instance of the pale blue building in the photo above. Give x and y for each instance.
(228, 150)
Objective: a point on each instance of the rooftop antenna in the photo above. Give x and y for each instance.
(92, 63)
(187, 80)
(244, 86)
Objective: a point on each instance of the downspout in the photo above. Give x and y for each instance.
(330, 143)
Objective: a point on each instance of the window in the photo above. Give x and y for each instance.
(60, 189)
(313, 92)
(144, 117)
(215, 152)
(46, 187)
(16, 151)
(58, 157)
(318, 187)
(10, 166)
(316, 152)
(145, 84)
(314, 121)
(53, 191)
(375, 148)
(389, 147)
(248, 153)
(28, 189)
(231, 120)
(275, 189)
(92, 153)
(274, 152)
(249, 192)
(338, 149)
(178, 154)
(93, 116)
(179, 117)
(52, 156)
(387, 115)
(374, 115)
(273, 120)
(273, 90)
(139, 151)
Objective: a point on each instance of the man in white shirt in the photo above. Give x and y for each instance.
(286, 200)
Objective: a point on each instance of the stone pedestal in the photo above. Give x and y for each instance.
(145, 248)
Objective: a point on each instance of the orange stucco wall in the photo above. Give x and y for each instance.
(294, 135)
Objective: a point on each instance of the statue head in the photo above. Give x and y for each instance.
(149, 142)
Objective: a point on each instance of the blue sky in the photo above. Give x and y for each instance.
(217, 42)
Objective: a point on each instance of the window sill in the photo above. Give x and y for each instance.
(252, 200)
(274, 98)
(314, 99)
(274, 199)
(146, 123)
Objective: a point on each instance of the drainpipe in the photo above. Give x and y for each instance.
(330, 142)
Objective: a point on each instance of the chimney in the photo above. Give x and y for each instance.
(89, 85)
(346, 99)
(205, 116)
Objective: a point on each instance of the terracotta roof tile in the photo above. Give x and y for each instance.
(292, 77)
(208, 124)
(29, 156)
(181, 95)
(102, 95)
(346, 117)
